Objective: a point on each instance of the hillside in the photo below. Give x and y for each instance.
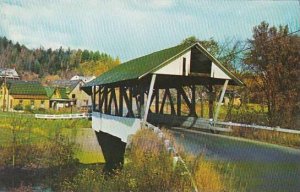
(44, 62)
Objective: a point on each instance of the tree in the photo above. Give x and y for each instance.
(190, 40)
(274, 60)
(37, 67)
(85, 56)
(226, 52)
(96, 56)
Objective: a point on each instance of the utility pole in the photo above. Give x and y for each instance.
(4, 91)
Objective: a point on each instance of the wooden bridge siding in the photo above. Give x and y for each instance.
(121, 92)
(108, 102)
(178, 102)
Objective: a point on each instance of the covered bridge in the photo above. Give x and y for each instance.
(137, 91)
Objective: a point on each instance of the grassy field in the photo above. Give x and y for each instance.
(25, 129)
(89, 151)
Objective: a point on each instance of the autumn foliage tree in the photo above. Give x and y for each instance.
(274, 60)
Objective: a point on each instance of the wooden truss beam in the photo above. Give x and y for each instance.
(149, 98)
(178, 102)
(128, 101)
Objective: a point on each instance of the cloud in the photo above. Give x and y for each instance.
(162, 3)
(132, 28)
(156, 4)
(30, 25)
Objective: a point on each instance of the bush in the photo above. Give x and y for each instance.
(248, 114)
(45, 163)
(38, 155)
(275, 137)
(29, 108)
(18, 107)
(22, 188)
(150, 163)
(41, 110)
(207, 178)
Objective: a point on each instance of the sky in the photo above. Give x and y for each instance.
(132, 28)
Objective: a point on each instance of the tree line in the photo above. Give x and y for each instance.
(53, 61)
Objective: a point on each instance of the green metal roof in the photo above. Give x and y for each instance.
(139, 67)
(49, 91)
(62, 92)
(26, 88)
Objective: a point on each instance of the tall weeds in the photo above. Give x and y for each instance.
(275, 137)
(150, 167)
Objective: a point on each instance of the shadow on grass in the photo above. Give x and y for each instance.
(41, 179)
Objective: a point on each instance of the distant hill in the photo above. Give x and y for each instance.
(62, 62)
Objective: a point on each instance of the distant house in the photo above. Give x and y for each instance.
(73, 91)
(22, 94)
(85, 79)
(9, 74)
(58, 97)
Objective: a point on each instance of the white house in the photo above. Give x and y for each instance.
(83, 78)
(9, 74)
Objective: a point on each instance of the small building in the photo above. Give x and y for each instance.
(58, 98)
(18, 95)
(85, 79)
(9, 74)
(72, 89)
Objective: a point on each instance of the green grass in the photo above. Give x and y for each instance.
(254, 174)
(89, 157)
(31, 130)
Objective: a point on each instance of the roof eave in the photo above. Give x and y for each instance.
(167, 61)
(218, 63)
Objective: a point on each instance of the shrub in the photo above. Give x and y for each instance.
(150, 165)
(18, 107)
(207, 178)
(29, 108)
(280, 138)
(248, 114)
(38, 155)
(22, 188)
(41, 110)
